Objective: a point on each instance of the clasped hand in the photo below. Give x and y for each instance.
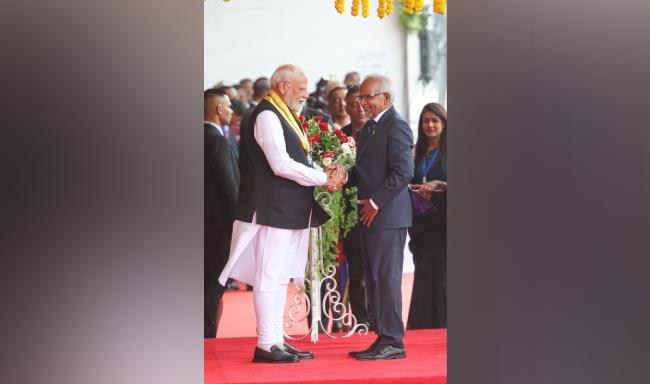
(336, 177)
(427, 189)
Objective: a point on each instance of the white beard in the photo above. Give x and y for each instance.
(299, 107)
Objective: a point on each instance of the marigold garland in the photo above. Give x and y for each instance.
(419, 4)
(408, 6)
(339, 5)
(365, 11)
(381, 9)
(440, 6)
(385, 7)
(355, 8)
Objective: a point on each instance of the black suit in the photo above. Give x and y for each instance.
(383, 170)
(221, 188)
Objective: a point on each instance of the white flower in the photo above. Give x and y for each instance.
(327, 161)
(345, 147)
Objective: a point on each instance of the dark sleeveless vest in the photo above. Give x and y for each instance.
(278, 202)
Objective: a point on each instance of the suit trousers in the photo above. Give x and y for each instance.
(383, 258)
(216, 247)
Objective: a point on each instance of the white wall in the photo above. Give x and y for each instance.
(250, 38)
(420, 93)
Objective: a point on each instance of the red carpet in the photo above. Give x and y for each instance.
(228, 360)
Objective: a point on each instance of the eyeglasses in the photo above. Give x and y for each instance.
(369, 96)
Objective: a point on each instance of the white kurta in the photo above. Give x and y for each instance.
(265, 256)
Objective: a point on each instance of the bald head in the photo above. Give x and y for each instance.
(290, 83)
(383, 83)
(376, 95)
(284, 73)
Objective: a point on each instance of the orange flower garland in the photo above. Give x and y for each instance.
(355, 7)
(440, 6)
(385, 7)
(339, 5)
(419, 4)
(408, 6)
(381, 9)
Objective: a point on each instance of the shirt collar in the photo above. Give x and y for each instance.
(376, 119)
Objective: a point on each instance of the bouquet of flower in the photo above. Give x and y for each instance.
(331, 146)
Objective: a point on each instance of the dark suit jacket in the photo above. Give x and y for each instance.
(232, 139)
(221, 179)
(384, 168)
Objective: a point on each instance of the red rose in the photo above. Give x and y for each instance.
(314, 138)
(318, 118)
(344, 138)
(323, 126)
(301, 117)
(305, 125)
(338, 132)
(328, 154)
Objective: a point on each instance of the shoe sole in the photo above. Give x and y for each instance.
(385, 358)
(274, 361)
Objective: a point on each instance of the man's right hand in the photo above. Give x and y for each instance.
(336, 176)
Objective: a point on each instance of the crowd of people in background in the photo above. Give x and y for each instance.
(228, 109)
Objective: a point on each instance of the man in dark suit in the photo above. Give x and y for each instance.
(221, 188)
(382, 172)
(261, 87)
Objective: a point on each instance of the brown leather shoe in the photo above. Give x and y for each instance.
(296, 352)
(369, 349)
(383, 352)
(276, 355)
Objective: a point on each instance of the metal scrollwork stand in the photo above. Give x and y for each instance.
(313, 302)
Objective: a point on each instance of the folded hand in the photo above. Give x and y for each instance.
(423, 190)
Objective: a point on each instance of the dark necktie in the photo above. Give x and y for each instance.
(366, 130)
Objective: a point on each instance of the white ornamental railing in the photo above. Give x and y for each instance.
(331, 300)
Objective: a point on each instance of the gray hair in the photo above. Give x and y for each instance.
(284, 73)
(385, 84)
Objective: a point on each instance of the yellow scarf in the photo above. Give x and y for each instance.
(289, 116)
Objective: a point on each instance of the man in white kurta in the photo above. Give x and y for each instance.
(267, 257)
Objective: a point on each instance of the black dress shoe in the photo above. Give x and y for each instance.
(369, 349)
(295, 352)
(276, 355)
(383, 352)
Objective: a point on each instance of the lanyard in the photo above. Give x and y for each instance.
(427, 165)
